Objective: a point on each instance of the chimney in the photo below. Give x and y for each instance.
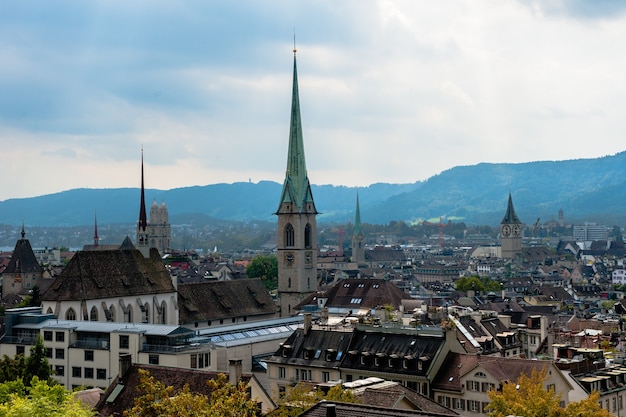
(234, 371)
(125, 362)
(307, 323)
(331, 410)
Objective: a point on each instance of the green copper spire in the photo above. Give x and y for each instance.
(357, 218)
(510, 217)
(296, 188)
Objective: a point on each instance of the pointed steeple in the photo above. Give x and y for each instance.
(96, 239)
(143, 220)
(296, 188)
(23, 233)
(510, 217)
(357, 218)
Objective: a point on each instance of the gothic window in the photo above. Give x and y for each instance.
(163, 312)
(112, 311)
(70, 314)
(289, 235)
(93, 314)
(49, 310)
(307, 236)
(146, 313)
(128, 314)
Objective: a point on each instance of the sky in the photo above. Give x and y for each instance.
(390, 91)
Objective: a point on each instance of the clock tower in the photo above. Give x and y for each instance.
(297, 225)
(511, 233)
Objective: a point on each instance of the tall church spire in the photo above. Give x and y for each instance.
(357, 218)
(297, 224)
(296, 188)
(96, 239)
(143, 220)
(510, 217)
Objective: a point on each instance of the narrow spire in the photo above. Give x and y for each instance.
(357, 218)
(296, 188)
(23, 233)
(510, 217)
(96, 239)
(143, 220)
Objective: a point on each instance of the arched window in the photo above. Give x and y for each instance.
(289, 235)
(163, 312)
(70, 314)
(112, 311)
(146, 313)
(128, 314)
(49, 310)
(307, 236)
(93, 314)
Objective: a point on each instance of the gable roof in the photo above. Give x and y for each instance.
(211, 300)
(350, 410)
(361, 293)
(110, 273)
(170, 376)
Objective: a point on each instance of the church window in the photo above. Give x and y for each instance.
(289, 282)
(146, 313)
(163, 312)
(289, 235)
(70, 314)
(128, 314)
(112, 311)
(307, 236)
(93, 314)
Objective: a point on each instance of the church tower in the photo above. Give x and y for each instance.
(358, 239)
(159, 229)
(143, 243)
(297, 224)
(511, 233)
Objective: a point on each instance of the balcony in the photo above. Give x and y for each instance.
(19, 340)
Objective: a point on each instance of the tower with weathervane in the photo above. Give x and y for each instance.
(511, 233)
(297, 225)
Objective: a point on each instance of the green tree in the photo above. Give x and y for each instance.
(529, 398)
(12, 368)
(477, 283)
(266, 268)
(226, 400)
(37, 363)
(304, 396)
(40, 399)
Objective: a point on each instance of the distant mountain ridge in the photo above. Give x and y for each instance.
(586, 190)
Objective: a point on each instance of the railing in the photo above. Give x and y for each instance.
(91, 344)
(19, 340)
(170, 349)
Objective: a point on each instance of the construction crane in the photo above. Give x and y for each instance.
(533, 228)
(440, 225)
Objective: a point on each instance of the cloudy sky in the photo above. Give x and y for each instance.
(390, 91)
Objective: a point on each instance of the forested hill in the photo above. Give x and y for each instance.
(586, 190)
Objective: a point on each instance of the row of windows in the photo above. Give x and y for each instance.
(290, 239)
(480, 386)
(77, 372)
(70, 314)
(302, 374)
(47, 336)
(201, 360)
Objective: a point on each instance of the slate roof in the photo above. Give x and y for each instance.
(211, 300)
(170, 376)
(360, 293)
(396, 352)
(392, 396)
(319, 348)
(110, 273)
(457, 365)
(351, 410)
(23, 260)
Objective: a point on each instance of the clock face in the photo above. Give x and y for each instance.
(506, 230)
(289, 258)
(517, 232)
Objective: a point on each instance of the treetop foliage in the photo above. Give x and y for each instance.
(528, 397)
